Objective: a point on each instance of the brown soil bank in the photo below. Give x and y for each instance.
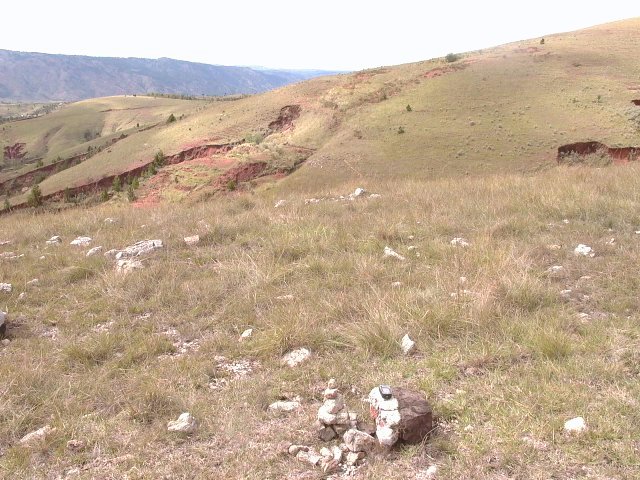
(636, 102)
(617, 154)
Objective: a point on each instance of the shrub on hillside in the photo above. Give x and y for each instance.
(452, 57)
(171, 119)
(35, 197)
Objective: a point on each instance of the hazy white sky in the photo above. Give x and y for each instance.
(329, 34)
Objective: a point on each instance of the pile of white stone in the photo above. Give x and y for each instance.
(334, 418)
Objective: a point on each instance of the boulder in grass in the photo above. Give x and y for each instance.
(406, 417)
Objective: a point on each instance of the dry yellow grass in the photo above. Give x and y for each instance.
(504, 356)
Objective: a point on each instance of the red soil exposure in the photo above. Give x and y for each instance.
(15, 184)
(440, 71)
(285, 120)
(636, 102)
(617, 154)
(241, 173)
(15, 151)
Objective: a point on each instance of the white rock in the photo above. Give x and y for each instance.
(555, 269)
(111, 253)
(554, 246)
(246, 334)
(109, 220)
(357, 193)
(94, 251)
(565, 221)
(6, 287)
(357, 441)
(284, 406)
(280, 203)
(43, 257)
(396, 284)
(584, 250)
(127, 266)
(4, 242)
(612, 241)
(54, 240)
(408, 345)
(353, 458)
(184, 424)
(36, 437)
(5, 342)
(296, 357)
(575, 425)
(430, 473)
(285, 297)
(387, 436)
(375, 195)
(192, 240)
(33, 282)
(389, 252)
(140, 248)
(22, 295)
(81, 241)
(459, 242)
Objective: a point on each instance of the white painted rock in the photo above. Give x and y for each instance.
(192, 240)
(584, 251)
(296, 357)
(460, 242)
(127, 266)
(6, 287)
(575, 426)
(246, 334)
(94, 251)
(284, 406)
(54, 240)
(408, 345)
(36, 437)
(143, 247)
(81, 241)
(184, 424)
(390, 253)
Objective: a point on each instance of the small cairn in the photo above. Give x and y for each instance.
(334, 418)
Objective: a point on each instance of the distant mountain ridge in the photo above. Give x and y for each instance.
(41, 77)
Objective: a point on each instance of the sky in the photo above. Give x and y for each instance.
(311, 34)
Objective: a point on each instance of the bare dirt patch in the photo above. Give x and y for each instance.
(583, 149)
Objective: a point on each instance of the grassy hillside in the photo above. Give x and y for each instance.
(507, 350)
(516, 333)
(505, 109)
(74, 127)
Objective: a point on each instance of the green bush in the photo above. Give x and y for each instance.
(452, 57)
(171, 119)
(117, 184)
(131, 194)
(35, 197)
